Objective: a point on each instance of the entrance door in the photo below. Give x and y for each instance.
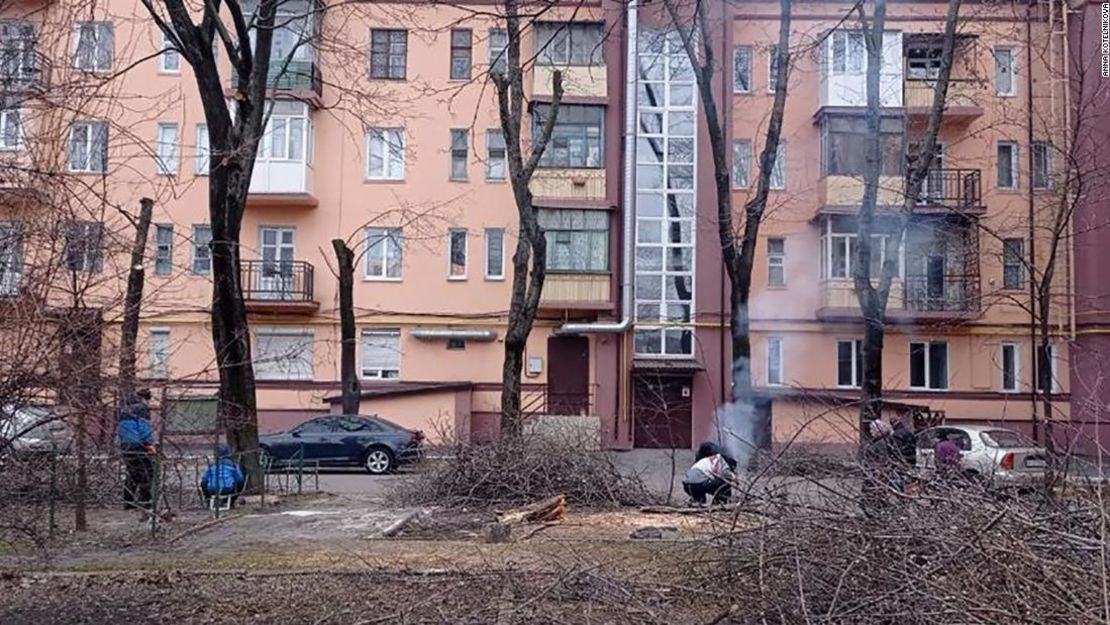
(568, 378)
(662, 411)
(935, 275)
(276, 277)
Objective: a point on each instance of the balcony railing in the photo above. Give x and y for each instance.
(952, 188)
(291, 76)
(278, 281)
(942, 293)
(22, 69)
(962, 98)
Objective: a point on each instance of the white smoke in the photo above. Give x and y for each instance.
(736, 422)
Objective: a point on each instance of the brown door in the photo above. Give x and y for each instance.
(662, 412)
(568, 375)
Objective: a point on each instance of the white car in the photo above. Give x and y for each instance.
(998, 455)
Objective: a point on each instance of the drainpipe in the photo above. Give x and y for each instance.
(628, 230)
(1033, 396)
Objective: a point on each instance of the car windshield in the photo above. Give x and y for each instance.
(1005, 438)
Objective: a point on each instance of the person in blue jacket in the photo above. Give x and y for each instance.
(224, 477)
(136, 442)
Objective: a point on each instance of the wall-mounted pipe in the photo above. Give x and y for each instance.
(629, 181)
(442, 334)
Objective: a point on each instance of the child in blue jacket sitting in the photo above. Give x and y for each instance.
(224, 477)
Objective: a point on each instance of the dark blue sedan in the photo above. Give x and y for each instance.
(373, 443)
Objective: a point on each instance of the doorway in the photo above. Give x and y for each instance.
(568, 377)
(275, 281)
(662, 411)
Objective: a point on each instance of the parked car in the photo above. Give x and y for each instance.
(31, 430)
(1000, 456)
(373, 443)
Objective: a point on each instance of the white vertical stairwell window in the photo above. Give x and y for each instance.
(11, 259)
(87, 147)
(498, 41)
(204, 151)
(776, 262)
(163, 249)
(929, 365)
(774, 361)
(282, 353)
(1007, 165)
(1042, 166)
(665, 174)
(381, 354)
(93, 46)
(1005, 71)
(166, 149)
(849, 363)
(159, 356)
(778, 170)
(1009, 361)
(742, 69)
(456, 254)
(11, 129)
(383, 254)
(741, 163)
(495, 254)
(772, 67)
(495, 155)
(460, 138)
(170, 61)
(201, 262)
(385, 154)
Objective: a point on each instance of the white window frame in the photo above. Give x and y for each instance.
(778, 169)
(742, 155)
(772, 53)
(776, 377)
(459, 151)
(168, 53)
(378, 373)
(203, 159)
(194, 247)
(491, 159)
(1016, 349)
(384, 236)
(776, 259)
(163, 250)
(388, 145)
(158, 365)
(855, 52)
(1011, 70)
(1015, 160)
(165, 152)
(1046, 147)
(498, 58)
(1053, 369)
(89, 128)
(283, 142)
(736, 57)
(262, 364)
(857, 355)
(100, 28)
(928, 352)
(465, 253)
(10, 116)
(489, 237)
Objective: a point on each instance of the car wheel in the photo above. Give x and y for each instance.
(378, 461)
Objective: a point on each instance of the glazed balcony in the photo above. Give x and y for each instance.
(577, 290)
(569, 187)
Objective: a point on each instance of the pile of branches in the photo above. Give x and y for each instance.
(531, 467)
(953, 553)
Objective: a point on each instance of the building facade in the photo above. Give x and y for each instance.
(383, 131)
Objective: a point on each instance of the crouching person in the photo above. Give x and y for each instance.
(711, 474)
(224, 478)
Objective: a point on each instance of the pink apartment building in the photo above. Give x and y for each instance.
(383, 131)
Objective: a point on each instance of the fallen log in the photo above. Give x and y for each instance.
(684, 510)
(400, 524)
(545, 511)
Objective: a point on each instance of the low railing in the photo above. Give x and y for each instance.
(291, 76)
(952, 188)
(963, 93)
(942, 294)
(278, 281)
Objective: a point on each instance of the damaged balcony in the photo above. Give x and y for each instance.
(279, 287)
(965, 96)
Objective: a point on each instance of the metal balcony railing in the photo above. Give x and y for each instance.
(291, 76)
(278, 281)
(22, 68)
(952, 188)
(942, 293)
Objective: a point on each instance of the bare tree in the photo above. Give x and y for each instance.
(132, 302)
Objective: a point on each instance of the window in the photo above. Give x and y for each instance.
(849, 363)
(1013, 263)
(159, 353)
(163, 249)
(776, 261)
(772, 67)
(778, 170)
(166, 149)
(461, 54)
(1011, 366)
(381, 354)
(495, 254)
(94, 46)
(1005, 71)
(192, 415)
(385, 154)
(1047, 382)
(456, 344)
(383, 253)
(741, 163)
(1007, 165)
(495, 155)
(11, 129)
(838, 249)
(83, 250)
(459, 150)
(576, 140)
(170, 61)
(742, 69)
(19, 62)
(568, 43)
(929, 365)
(11, 258)
(774, 361)
(87, 151)
(204, 152)
(201, 263)
(287, 132)
(1042, 166)
(388, 53)
(577, 240)
(283, 354)
(498, 41)
(848, 52)
(456, 254)
(844, 145)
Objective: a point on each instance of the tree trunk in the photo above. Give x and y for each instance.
(133, 300)
(345, 258)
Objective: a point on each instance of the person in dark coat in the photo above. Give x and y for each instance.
(136, 442)
(710, 475)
